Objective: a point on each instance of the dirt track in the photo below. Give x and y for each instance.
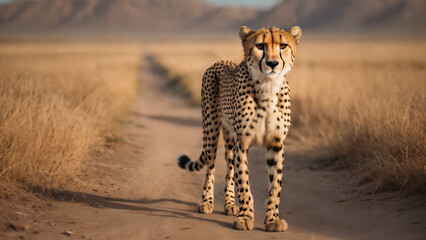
(137, 191)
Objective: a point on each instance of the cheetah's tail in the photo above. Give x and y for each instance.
(186, 163)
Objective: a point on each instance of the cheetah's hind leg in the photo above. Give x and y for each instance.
(230, 207)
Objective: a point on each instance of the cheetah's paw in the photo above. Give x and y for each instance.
(280, 225)
(231, 210)
(243, 223)
(205, 208)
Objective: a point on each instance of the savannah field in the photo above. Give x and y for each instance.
(97, 126)
(358, 102)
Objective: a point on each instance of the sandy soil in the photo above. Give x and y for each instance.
(136, 191)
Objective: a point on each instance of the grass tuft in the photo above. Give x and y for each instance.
(58, 102)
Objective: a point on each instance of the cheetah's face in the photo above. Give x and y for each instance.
(270, 51)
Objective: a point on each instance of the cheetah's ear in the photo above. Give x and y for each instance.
(296, 32)
(244, 33)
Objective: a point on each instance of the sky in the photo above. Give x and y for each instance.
(247, 3)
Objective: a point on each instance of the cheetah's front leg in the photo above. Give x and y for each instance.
(245, 217)
(275, 160)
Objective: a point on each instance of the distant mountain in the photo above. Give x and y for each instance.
(343, 16)
(135, 16)
(224, 19)
(186, 16)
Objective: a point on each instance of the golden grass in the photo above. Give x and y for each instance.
(58, 101)
(361, 102)
(185, 63)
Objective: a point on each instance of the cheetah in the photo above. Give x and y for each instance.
(250, 103)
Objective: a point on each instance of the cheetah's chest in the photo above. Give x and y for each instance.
(268, 116)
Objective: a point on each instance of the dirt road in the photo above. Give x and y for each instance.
(136, 191)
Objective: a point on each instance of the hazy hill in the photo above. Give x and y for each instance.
(147, 16)
(136, 16)
(346, 15)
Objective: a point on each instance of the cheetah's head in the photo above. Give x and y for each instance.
(270, 51)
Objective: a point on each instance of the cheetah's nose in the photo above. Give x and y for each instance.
(272, 64)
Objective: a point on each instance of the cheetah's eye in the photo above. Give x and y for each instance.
(283, 45)
(260, 46)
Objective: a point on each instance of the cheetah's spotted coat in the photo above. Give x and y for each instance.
(250, 102)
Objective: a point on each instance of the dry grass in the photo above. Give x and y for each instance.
(185, 64)
(57, 102)
(361, 102)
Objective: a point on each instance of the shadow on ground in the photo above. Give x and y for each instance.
(143, 206)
